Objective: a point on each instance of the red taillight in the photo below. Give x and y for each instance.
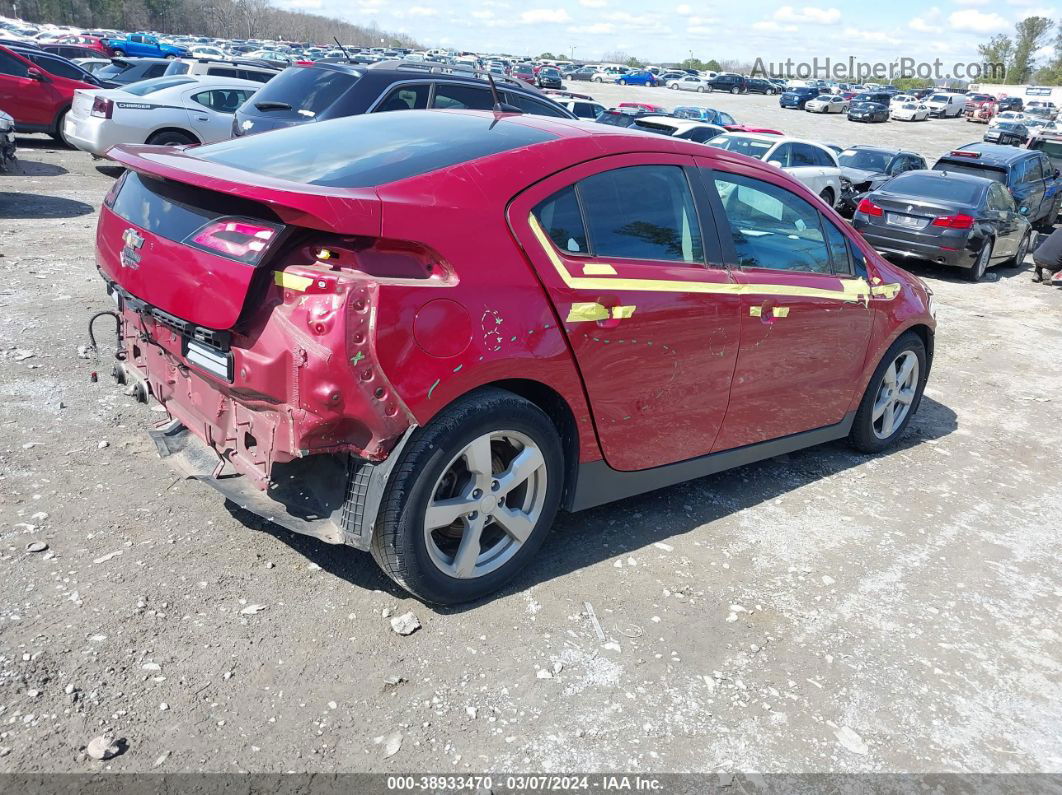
(959, 221)
(240, 239)
(102, 108)
(867, 207)
(963, 153)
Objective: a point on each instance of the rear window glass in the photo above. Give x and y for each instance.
(145, 87)
(928, 187)
(998, 174)
(360, 151)
(304, 92)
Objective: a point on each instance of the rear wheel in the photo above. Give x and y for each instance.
(471, 499)
(827, 196)
(171, 138)
(892, 396)
(984, 256)
(700, 89)
(59, 134)
(119, 54)
(735, 90)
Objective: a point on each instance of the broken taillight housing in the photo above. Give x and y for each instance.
(102, 108)
(241, 239)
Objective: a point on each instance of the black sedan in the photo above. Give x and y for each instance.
(952, 219)
(1009, 133)
(549, 77)
(868, 112)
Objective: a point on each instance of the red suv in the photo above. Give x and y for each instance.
(426, 345)
(38, 92)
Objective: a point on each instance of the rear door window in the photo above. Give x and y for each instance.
(256, 76)
(533, 106)
(222, 100)
(561, 219)
(223, 71)
(57, 66)
(1033, 171)
(661, 225)
(450, 96)
(9, 65)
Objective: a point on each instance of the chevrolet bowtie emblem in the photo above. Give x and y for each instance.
(130, 258)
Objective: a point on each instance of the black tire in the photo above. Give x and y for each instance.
(399, 545)
(171, 138)
(827, 196)
(735, 90)
(977, 270)
(119, 53)
(1023, 249)
(700, 89)
(862, 435)
(58, 133)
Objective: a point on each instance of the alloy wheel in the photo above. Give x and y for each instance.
(896, 393)
(485, 504)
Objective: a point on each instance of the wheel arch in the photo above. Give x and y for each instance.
(175, 129)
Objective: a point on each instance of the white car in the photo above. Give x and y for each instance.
(92, 65)
(909, 111)
(171, 110)
(806, 161)
(1007, 115)
(688, 129)
(609, 74)
(583, 108)
(690, 83)
(827, 103)
(214, 53)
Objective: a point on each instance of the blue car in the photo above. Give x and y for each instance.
(637, 78)
(141, 45)
(710, 115)
(798, 97)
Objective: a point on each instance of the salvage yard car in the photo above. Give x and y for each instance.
(420, 327)
(807, 161)
(952, 219)
(165, 111)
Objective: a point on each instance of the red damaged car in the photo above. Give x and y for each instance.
(423, 333)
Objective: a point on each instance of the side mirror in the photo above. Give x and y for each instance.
(775, 163)
(1024, 210)
(33, 73)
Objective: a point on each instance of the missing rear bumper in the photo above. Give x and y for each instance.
(333, 498)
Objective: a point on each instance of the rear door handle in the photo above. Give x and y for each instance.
(203, 118)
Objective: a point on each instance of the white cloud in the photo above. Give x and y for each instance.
(538, 16)
(483, 14)
(684, 10)
(601, 28)
(976, 21)
(771, 25)
(820, 16)
(870, 35)
(422, 11)
(593, 3)
(928, 23)
(971, 2)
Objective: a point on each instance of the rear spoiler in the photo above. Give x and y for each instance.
(345, 211)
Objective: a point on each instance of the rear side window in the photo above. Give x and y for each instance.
(559, 216)
(222, 71)
(57, 66)
(534, 106)
(373, 149)
(1033, 171)
(661, 224)
(256, 76)
(154, 70)
(304, 92)
(838, 248)
(222, 100)
(771, 227)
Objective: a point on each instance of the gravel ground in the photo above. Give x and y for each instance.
(822, 611)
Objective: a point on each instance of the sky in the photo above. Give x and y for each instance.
(672, 29)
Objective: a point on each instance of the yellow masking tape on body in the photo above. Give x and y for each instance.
(582, 313)
(292, 281)
(621, 312)
(780, 311)
(598, 269)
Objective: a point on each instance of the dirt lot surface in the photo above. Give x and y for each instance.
(819, 611)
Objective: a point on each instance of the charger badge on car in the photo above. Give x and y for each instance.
(130, 256)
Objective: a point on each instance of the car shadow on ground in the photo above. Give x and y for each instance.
(621, 528)
(41, 143)
(25, 205)
(943, 273)
(33, 168)
(112, 171)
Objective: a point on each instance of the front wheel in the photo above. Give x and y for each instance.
(1023, 250)
(170, 138)
(892, 396)
(735, 90)
(472, 498)
(119, 54)
(827, 196)
(60, 134)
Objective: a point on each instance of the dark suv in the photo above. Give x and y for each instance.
(735, 84)
(322, 91)
(797, 97)
(1028, 174)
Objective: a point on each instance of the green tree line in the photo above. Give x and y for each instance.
(1018, 52)
(243, 19)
